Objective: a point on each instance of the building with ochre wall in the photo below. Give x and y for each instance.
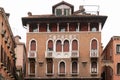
(7, 45)
(65, 44)
(21, 56)
(111, 59)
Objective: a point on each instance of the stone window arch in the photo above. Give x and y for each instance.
(58, 46)
(74, 45)
(33, 45)
(66, 46)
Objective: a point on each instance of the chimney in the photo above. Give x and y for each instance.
(17, 39)
(81, 8)
(7, 14)
(29, 14)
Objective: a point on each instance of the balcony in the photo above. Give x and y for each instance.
(94, 53)
(49, 54)
(75, 54)
(32, 54)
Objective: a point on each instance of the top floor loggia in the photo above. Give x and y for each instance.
(64, 27)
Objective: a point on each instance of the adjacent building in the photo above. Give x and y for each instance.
(64, 45)
(21, 56)
(7, 45)
(111, 60)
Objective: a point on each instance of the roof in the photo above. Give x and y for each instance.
(59, 19)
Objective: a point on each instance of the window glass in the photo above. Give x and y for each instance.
(32, 66)
(94, 44)
(33, 45)
(62, 67)
(74, 67)
(58, 12)
(50, 45)
(118, 49)
(49, 67)
(66, 46)
(94, 67)
(58, 46)
(74, 45)
(66, 12)
(118, 68)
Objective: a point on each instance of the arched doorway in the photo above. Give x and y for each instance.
(107, 73)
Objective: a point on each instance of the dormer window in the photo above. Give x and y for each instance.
(58, 12)
(66, 12)
(63, 9)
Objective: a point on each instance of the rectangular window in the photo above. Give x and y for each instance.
(118, 68)
(58, 12)
(32, 67)
(66, 12)
(118, 49)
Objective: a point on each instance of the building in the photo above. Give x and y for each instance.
(111, 60)
(21, 56)
(65, 45)
(7, 45)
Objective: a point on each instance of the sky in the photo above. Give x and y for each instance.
(20, 8)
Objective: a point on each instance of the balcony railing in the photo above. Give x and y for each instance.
(49, 54)
(74, 73)
(32, 54)
(61, 74)
(75, 54)
(94, 53)
(49, 74)
(94, 71)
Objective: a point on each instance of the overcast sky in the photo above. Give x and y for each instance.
(20, 8)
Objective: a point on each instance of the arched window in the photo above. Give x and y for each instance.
(33, 45)
(50, 45)
(62, 67)
(66, 46)
(74, 45)
(74, 67)
(94, 44)
(94, 67)
(58, 46)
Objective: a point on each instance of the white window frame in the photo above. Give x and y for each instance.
(52, 69)
(59, 66)
(77, 67)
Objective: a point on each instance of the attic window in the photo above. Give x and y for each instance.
(66, 12)
(58, 12)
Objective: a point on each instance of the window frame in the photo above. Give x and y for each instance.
(59, 12)
(118, 72)
(118, 48)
